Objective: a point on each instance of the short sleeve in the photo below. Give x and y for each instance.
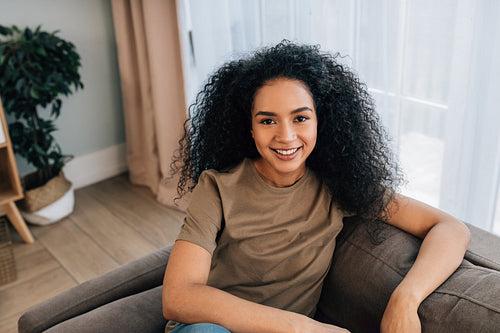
(204, 214)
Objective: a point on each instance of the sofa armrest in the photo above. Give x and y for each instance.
(371, 259)
(134, 277)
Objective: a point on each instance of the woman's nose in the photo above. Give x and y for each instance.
(286, 132)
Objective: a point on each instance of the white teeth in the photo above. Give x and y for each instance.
(286, 151)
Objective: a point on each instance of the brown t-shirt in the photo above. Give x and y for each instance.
(269, 245)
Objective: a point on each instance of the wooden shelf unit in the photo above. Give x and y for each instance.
(10, 184)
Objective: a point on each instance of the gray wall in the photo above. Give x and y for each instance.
(91, 119)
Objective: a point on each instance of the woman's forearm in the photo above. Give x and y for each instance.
(204, 304)
(201, 303)
(445, 240)
(440, 254)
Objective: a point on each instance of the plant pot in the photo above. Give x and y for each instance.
(48, 203)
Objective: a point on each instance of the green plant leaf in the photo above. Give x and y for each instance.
(16, 131)
(39, 150)
(41, 51)
(20, 84)
(5, 31)
(34, 93)
(56, 108)
(28, 34)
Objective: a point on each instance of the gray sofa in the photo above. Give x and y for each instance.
(369, 262)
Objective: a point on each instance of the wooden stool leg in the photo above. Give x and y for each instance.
(18, 222)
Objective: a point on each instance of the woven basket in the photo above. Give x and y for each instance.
(41, 197)
(8, 271)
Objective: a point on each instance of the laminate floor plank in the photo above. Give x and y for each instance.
(32, 260)
(9, 324)
(145, 192)
(76, 251)
(31, 292)
(155, 224)
(175, 216)
(122, 242)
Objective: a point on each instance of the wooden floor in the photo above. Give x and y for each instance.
(113, 223)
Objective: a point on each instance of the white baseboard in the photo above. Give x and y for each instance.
(94, 167)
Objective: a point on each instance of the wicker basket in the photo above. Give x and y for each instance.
(42, 196)
(8, 271)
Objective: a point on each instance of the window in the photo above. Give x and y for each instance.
(433, 69)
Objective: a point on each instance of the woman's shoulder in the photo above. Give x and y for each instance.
(217, 186)
(227, 172)
(225, 177)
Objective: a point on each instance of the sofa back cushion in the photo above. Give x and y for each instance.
(371, 259)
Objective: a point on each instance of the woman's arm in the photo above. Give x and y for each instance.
(187, 299)
(445, 240)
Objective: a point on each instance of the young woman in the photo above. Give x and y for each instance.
(281, 146)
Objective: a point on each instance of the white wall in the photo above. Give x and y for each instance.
(91, 121)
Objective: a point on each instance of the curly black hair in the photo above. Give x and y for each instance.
(351, 155)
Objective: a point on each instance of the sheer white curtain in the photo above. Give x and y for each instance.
(433, 68)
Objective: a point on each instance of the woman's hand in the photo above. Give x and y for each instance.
(401, 315)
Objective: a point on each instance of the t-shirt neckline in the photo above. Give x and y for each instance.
(258, 177)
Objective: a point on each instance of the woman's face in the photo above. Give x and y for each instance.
(284, 128)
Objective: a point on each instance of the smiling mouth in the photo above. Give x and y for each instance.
(286, 152)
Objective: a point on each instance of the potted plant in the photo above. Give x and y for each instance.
(36, 68)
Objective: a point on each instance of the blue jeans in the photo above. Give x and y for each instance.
(200, 328)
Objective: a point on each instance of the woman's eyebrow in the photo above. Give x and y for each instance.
(265, 113)
(304, 108)
(272, 114)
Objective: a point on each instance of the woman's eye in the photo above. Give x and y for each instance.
(267, 121)
(301, 118)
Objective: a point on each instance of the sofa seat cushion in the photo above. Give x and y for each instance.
(371, 259)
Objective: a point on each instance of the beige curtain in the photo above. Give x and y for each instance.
(149, 56)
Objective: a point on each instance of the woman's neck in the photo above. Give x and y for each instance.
(274, 178)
